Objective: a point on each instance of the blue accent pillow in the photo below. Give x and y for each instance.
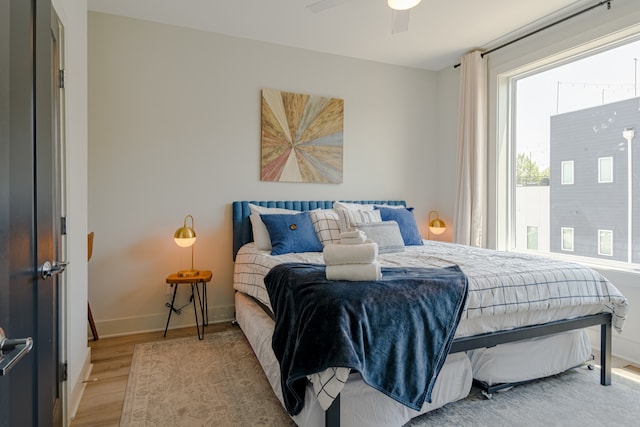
(407, 223)
(291, 233)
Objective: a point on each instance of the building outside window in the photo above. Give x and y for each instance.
(605, 169)
(567, 172)
(605, 242)
(566, 239)
(532, 238)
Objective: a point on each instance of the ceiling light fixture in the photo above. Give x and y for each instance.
(402, 4)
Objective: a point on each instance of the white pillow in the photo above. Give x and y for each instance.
(352, 206)
(260, 233)
(348, 218)
(327, 225)
(361, 206)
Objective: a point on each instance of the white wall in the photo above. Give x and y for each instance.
(446, 150)
(589, 28)
(174, 129)
(73, 15)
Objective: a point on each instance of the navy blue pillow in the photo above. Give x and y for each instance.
(291, 233)
(407, 223)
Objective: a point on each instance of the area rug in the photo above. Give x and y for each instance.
(218, 382)
(187, 382)
(570, 399)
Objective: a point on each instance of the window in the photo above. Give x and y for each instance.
(605, 169)
(571, 123)
(532, 238)
(567, 172)
(605, 242)
(567, 239)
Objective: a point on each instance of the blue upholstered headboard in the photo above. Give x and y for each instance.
(242, 233)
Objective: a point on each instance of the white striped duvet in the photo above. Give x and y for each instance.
(513, 289)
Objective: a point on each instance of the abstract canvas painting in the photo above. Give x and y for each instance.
(302, 137)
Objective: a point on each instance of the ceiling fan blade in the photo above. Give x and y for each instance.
(399, 21)
(321, 5)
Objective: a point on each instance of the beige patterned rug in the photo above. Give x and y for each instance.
(186, 382)
(219, 382)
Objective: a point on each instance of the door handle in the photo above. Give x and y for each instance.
(49, 269)
(11, 351)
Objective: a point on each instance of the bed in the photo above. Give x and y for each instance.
(527, 298)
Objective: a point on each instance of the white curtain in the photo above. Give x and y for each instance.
(471, 202)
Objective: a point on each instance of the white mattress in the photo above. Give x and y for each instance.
(530, 359)
(360, 404)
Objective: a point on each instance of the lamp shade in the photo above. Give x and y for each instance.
(436, 225)
(402, 4)
(184, 237)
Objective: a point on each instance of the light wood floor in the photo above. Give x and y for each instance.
(103, 397)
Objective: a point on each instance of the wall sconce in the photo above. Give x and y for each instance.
(436, 225)
(185, 237)
(402, 4)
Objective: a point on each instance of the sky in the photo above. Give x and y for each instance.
(602, 78)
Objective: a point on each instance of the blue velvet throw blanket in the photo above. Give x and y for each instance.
(396, 332)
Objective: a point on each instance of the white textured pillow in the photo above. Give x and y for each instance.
(260, 233)
(361, 206)
(326, 224)
(349, 218)
(352, 206)
(386, 234)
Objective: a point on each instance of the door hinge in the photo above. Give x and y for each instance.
(61, 79)
(65, 366)
(63, 225)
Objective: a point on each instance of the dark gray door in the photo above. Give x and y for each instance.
(29, 305)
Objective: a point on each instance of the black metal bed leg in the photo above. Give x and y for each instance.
(605, 353)
(332, 414)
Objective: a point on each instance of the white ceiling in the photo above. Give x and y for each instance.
(439, 31)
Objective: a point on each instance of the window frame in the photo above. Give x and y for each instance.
(562, 239)
(600, 180)
(563, 177)
(610, 232)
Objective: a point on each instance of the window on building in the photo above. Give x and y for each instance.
(567, 172)
(570, 123)
(567, 239)
(605, 169)
(532, 238)
(605, 242)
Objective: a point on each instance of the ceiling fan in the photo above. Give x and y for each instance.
(399, 11)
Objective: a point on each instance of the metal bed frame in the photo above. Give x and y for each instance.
(332, 415)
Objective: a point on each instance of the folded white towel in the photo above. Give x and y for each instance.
(354, 233)
(353, 240)
(354, 237)
(336, 253)
(354, 272)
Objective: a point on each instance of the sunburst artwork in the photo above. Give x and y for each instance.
(302, 137)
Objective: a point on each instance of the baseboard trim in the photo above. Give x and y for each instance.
(76, 392)
(157, 322)
(622, 347)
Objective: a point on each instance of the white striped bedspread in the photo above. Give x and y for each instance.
(506, 290)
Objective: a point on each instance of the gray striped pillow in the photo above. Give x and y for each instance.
(386, 234)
